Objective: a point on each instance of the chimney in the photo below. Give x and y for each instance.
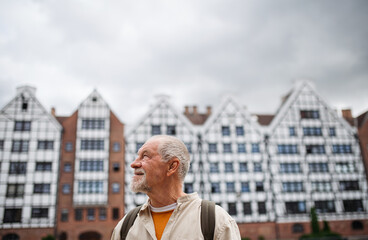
(209, 110)
(186, 111)
(346, 113)
(53, 111)
(195, 110)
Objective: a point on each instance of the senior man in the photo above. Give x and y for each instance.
(169, 213)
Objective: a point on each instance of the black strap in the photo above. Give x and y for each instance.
(208, 219)
(128, 222)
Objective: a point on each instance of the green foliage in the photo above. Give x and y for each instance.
(326, 227)
(261, 237)
(48, 237)
(247, 238)
(314, 221)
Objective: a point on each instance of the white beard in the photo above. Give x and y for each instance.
(140, 184)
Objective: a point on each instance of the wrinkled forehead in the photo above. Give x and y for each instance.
(149, 146)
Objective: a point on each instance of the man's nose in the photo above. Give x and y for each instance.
(136, 163)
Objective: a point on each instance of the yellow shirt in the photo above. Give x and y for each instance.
(160, 220)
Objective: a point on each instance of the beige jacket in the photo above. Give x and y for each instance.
(184, 223)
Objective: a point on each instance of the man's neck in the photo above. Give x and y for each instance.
(164, 198)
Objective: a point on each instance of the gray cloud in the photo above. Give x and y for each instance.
(195, 51)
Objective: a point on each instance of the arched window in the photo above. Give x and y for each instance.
(90, 236)
(11, 236)
(357, 225)
(297, 228)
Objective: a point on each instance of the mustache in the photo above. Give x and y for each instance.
(139, 171)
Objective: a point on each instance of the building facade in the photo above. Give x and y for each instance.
(91, 185)
(268, 172)
(29, 157)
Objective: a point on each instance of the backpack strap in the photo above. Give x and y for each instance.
(128, 222)
(208, 219)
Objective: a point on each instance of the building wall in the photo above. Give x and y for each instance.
(29, 157)
(95, 208)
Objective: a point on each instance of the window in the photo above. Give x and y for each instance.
(45, 145)
(312, 131)
(188, 187)
(22, 126)
(92, 144)
(229, 167)
(309, 114)
(345, 167)
(332, 131)
(232, 208)
(214, 167)
(116, 167)
(11, 236)
(155, 130)
(341, 148)
(64, 215)
(245, 187)
(90, 214)
(102, 213)
(15, 190)
(212, 148)
(290, 168)
(93, 123)
(138, 146)
(287, 149)
(259, 187)
(318, 167)
(12, 215)
(321, 186)
(1, 145)
(247, 208)
(292, 187)
(41, 188)
(227, 147)
(225, 131)
(91, 166)
(295, 207)
(171, 130)
(78, 214)
(261, 207)
(239, 131)
(43, 166)
(241, 148)
(349, 185)
(230, 187)
(67, 167)
(116, 147)
(90, 187)
(189, 146)
(243, 167)
(255, 148)
(20, 146)
(215, 187)
(116, 187)
(115, 213)
(68, 146)
(257, 167)
(297, 228)
(315, 149)
(39, 213)
(292, 131)
(353, 205)
(324, 206)
(357, 225)
(24, 106)
(66, 188)
(18, 168)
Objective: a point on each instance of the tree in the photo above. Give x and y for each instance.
(314, 221)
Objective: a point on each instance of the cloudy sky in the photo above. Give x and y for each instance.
(194, 51)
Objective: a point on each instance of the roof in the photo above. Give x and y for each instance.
(264, 119)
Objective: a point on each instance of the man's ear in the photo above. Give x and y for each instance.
(173, 166)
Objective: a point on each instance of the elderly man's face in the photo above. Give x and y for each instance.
(149, 169)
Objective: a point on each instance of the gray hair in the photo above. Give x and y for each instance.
(170, 147)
